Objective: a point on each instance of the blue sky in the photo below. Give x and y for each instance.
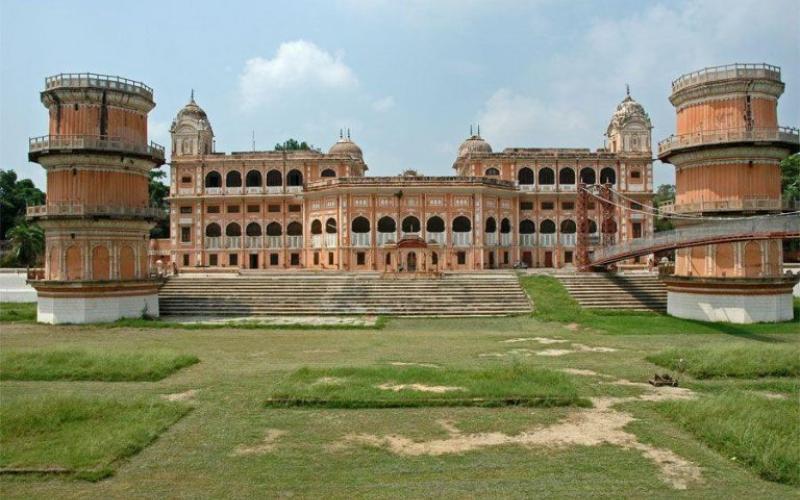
(408, 78)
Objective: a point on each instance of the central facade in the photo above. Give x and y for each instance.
(278, 210)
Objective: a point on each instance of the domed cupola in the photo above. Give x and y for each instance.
(191, 131)
(474, 144)
(629, 129)
(345, 146)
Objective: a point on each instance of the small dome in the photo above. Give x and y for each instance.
(475, 144)
(192, 113)
(345, 146)
(627, 111)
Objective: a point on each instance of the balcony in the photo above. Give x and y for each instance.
(252, 241)
(736, 205)
(385, 238)
(674, 143)
(274, 241)
(294, 241)
(462, 239)
(78, 210)
(361, 239)
(567, 187)
(233, 242)
(330, 240)
(726, 72)
(94, 80)
(527, 187)
(254, 190)
(294, 189)
(316, 241)
(547, 240)
(527, 240)
(47, 143)
(216, 190)
(233, 190)
(505, 239)
(437, 238)
(547, 188)
(569, 240)
(490, 239)
(213, 242)
(274, 189)
(410, 234)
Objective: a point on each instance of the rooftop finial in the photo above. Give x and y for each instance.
(479, 130)
(348, 132)
(627, 90)
(191, 97)
(341, 134)
(470, 130)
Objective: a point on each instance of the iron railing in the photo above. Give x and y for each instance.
(94, 142)
(94, 80)
(743, 204)
(710, 137)
(727, 72)
(69, 209)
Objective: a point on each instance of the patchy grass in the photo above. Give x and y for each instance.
(17, 312)
(552, 302)
(737, 361)
(254, 324)
(414, 386)
(761, 433)
(61, 364)
(82, 436)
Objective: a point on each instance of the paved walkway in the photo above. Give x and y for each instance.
(275, 320)
(13, 287)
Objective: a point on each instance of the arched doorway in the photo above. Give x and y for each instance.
(411, 261)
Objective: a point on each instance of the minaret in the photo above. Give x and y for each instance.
(97, 217)
(727, 152)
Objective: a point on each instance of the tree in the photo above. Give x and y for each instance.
(664, 194)
(293, 145)
(790, 177)
(27, 241)
(15, 196)
(158, 198)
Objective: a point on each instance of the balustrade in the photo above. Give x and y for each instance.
(527, 240)
(462, 239)
(505, 239)
(295, 241)
(360, 239)
(437, 238)
(547, 240)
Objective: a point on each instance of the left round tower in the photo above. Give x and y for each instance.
(97, 215)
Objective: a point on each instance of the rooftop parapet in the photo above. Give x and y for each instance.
(410, 181)
(53, 143)
(94, 80)
(727, 72)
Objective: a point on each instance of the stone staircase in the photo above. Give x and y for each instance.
(476, 294)
(643, 292)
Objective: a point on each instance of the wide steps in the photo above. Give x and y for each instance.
(306, 294)
(609, 291)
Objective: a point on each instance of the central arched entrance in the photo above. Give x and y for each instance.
(411, 262)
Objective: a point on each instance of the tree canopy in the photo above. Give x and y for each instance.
(158, 198)
(15, 196)
(293, 145)
(664, 194)
(790, 177)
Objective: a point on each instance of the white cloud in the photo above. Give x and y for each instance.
(384, 104)
(510, 119)
(297, 65)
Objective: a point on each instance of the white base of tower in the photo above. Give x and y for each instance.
(59, 310)
(730, 308)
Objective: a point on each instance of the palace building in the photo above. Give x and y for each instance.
(280, 210)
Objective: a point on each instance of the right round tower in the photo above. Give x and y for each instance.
(727, 152)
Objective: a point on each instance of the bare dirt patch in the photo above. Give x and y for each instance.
(265, 446)
(419, 387)
(329, 381)
(541, 340)
(771, 395)
(584, 373)
(601, 424)
(574, 327)
(181, 396)
(574, 348)
(407, 363)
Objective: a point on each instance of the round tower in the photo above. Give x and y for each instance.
(727, 152)
(97, 216)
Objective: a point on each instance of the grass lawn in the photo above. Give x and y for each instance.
(63, 364)
(418, 386)
(552, 302)
(81, 436)
(232, 445)
(17, 312)
(763, 434)
(738, 360)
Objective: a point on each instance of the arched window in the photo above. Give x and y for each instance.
(213, 230)
(491, 225)
(411, 224)
(610, 226)
(316, 227)
(213, 180)
(525, 176)
(386, 225)
(505, 226)
(360, 225)
(608, 176)
(566, 176)
(330, 226)
(462, 224)
(328, 173)
(233, 179)
(253, 179)
(568, 227)
(435, 224)
(253, 229)
(274, 178)
(547, 227)
(492, 171)
(294, 178)
(233, 229)
(274, 229)
(591, 227)
(294, 229)
(588, 176)
(547, 176)
(527, 227)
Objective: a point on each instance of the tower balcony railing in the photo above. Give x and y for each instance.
(46, 143)
(80, 210)
(89, 80)
(726, 72)
(733, 205)
(713, 137)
